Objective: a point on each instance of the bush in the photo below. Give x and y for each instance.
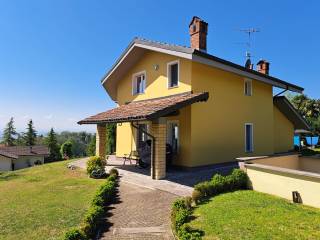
(75, 234)
(38, 162)
(95, 164)
(66, 150)
(220, 184)
(114, 171)
(188, 202)
(187, 233)
(104, 195)
(196, 196)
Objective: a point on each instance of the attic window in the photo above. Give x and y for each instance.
(139, 83)
(248, 87)
(173, 74)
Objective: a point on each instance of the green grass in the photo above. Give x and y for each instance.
(43, 202)
(254, 215)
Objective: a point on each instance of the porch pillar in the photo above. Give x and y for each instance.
(159, 131)
(101, 141)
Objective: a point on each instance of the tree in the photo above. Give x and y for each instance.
(30, 136)
(91, 149)
(309, 109)
(9, 132)
(52, 143)
(66, 150)
(111, 138)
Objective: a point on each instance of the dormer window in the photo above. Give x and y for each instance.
(173, 74)
(248, 87)
(139, 83)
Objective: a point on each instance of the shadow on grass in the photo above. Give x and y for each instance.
(6, 176)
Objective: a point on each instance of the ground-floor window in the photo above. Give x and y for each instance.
(249, 137)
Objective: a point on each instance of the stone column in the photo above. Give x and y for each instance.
(159, 131)
(101, 141)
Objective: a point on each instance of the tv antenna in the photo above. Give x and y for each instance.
(249, 32)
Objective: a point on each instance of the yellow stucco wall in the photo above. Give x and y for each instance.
(156, 80)
(156, 86)
(213, 131)
(218, 125)
(283, 132)
(282, 185)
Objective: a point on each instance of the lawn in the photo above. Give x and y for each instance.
(44, 201)
(254, 215)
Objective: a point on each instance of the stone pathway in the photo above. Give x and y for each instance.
(139, 214)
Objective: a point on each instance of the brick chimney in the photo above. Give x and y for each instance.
(198, 30)
(263, 67)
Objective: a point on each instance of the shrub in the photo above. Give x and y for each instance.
(103, 196)
(114, 171)
(92, 219)
(196, 196)
(187, 233)
(75, 234)
(188, 202)
(38, 162)
(238, 180)
(66, 150)
(95, 163)
(220, 184)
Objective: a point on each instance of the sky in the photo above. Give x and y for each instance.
(53, 53)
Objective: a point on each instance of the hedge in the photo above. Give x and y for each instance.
(182, 209)
(104, 196)
(237, 180)
(180, 216)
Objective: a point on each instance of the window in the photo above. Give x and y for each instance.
(173, 74)
(139, 83)
(248, 87)
(249, 137)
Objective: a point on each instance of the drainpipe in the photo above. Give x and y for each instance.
(152, 149)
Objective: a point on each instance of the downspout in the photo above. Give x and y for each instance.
(153, 147)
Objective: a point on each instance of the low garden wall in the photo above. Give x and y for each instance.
(287, 177)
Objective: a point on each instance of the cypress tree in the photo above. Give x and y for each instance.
(9, 132)
(30, 136)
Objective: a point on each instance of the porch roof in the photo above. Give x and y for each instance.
(146, 109)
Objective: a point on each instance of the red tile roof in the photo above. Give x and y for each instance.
(146, 109)
(16, 151)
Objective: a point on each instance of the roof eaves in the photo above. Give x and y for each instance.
(284, 84)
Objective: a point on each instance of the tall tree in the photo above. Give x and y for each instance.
(111, 138)
(52, 143)
(30, 136)
(9, 132)
(91, 148)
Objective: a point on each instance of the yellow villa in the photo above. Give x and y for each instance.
(208, 110)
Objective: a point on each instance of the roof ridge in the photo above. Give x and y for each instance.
(159, 42)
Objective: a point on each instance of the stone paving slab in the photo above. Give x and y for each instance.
(139, 214)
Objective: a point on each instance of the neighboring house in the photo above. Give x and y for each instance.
(156, 86)
(17, 157)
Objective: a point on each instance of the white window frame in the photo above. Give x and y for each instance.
(134, 82)
(244, 86)
(245, 138)
(168, 73)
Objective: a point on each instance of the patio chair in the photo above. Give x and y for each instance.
(134, 155)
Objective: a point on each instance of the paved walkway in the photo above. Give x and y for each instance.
(177, 182)
(142, 209)
(140, 214)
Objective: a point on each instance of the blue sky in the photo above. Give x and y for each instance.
(53, 53)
